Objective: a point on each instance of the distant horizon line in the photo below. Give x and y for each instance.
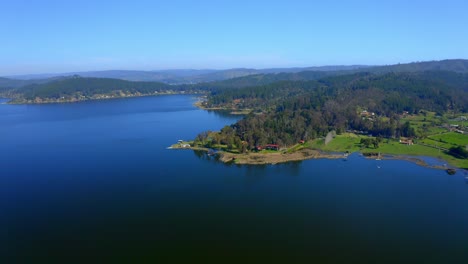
(197, 69)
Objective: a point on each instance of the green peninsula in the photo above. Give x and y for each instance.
(404, 114)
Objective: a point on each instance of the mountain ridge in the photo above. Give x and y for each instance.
(181, 76)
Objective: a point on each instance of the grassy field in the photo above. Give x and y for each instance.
(341, 143)
(436, 143)
(437, 136)
(396, 148)
(421, 119)
(350, 142)
(452, 138)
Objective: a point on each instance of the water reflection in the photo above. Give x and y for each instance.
(205, 155)
(199, 153)
(293, 168)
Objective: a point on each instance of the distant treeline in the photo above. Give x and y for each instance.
(88, 87)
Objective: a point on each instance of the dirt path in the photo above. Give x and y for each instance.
(330, 137)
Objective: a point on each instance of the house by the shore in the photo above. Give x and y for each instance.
(267, 147)
(272, 147)
(406, 141)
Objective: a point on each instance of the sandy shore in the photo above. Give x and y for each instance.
(266, 158)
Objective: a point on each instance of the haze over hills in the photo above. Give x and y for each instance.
(129, 75)
(182, 76)
(191, 76)
(16, 83)
(456, 65)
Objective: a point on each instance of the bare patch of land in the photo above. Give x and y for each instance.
(277, 157)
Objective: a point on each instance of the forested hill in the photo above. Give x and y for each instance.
(78, 89)
(263, 79)
(405, 91)
(286, 112)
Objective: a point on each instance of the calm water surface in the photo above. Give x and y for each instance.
(94, 182)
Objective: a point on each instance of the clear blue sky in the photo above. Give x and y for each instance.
(63, 36)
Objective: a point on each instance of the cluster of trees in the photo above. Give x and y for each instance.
(367, 142)
(227, 137)
(459, 152)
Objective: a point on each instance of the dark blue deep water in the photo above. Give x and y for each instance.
(93, 182)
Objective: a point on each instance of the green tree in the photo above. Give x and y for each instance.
(459, 152)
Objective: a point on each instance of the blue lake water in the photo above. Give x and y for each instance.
(94, 182)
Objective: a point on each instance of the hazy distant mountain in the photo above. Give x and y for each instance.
(7, 83)
(162, 76)
(317, 68)
(186, 72)
(183, 75)
(190, 76)
(459, 65)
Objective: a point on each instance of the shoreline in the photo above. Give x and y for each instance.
(99, 97)
(306, 154)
